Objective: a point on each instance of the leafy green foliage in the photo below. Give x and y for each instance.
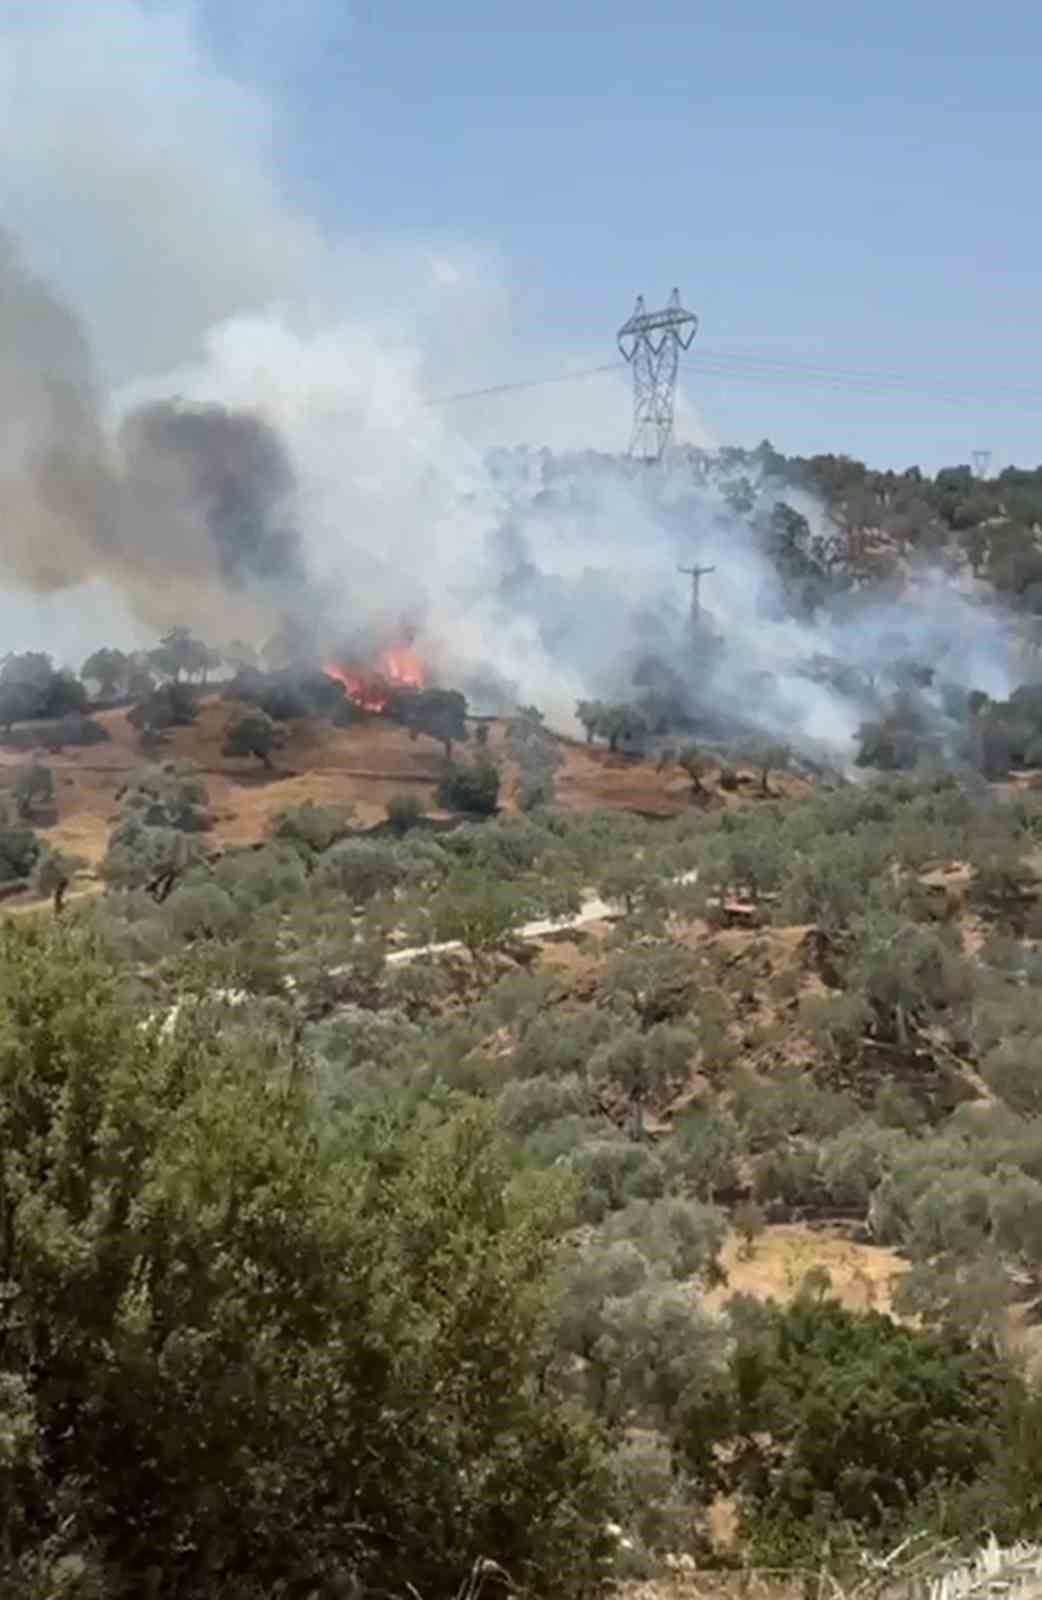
(150, 847)
(169, 796)
(33, 786)
(19, 848)
(234, 1361)
(359, 868)
(404, 811)
(109, 669)
(253, 733)
(322, 1215)
(171, 705)
(311, 828)
(472, 788)
(53, 872)
(616, 722)
(476, 911)
(287, 694)
(438, 713)
(30, 687)
(180, 654)
(844, 1415)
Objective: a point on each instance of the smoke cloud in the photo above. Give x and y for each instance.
(215, 416)
(183, 501)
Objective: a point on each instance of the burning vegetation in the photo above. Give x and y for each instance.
(371, 686)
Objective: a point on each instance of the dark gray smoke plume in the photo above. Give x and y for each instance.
(57, 509)
(232, 470)
(188, 504)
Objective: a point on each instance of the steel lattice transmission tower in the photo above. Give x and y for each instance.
(651, 341)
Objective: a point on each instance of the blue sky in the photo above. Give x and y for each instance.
(848, 187)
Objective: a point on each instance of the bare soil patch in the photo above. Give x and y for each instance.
(863, 1276)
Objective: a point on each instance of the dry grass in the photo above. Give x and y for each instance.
(361, 766)
(863, 1276)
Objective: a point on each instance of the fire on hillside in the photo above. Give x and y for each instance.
(397, 667)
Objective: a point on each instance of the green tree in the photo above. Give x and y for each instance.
(169, 796)
(473, 788)
(537, 756)
(640, 1066)
(33, 786)
(30, 687)
(140, 682)
(475, 910)
(590, 713)
(253, 734)
(19, 848)
(310, 828)
(768, 758)
(440, 714)
(706, 1148)
(404, 811)
(140, 856)
(26, 681)
(109, 669)
(54, 872)
(179, 654)
(694, 764)
(831, 1414)
(18, 703)
(622, 722)
(360, 868)
(240, 1360)
(171, 705)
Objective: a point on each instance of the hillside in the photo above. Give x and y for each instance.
(361, 766)
(653, 1225)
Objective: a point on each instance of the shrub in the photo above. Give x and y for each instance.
(33, 786)
(705, 1148)
(253, 733)
(682, 1237)
(359, 868)
(229, 1355)
(169, 796)
(202, 911)
(19, 850)
(846, 1416)
(53, 872)
(139, 856)
(473, 788)
(659, 1507)
(171, 705)
(614, 1171)
(475, 910)
(531, 1103)
(404, 811)
(311, 828)
(256, 878)
(76, 731)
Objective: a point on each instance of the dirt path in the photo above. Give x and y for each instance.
(593, 909)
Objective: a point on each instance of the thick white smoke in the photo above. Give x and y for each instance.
(138, 181)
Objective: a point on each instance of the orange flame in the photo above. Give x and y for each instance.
(402, 666)
(398, 667)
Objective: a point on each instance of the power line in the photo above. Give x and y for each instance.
(769, 364)
(767, 371)
(525, 383)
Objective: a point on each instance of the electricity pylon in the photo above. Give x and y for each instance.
(651, 341)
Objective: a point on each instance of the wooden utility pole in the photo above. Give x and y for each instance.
(696, 574)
